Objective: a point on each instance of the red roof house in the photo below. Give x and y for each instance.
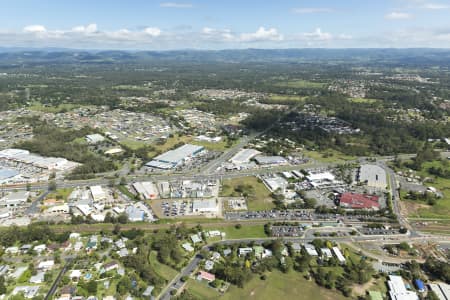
(206, 276)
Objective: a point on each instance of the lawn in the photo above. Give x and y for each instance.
(259, 199)
(219, 146)
(282, 98)
(442, 207)
(246, 231)
(298, 83)
(162, 270)
(363, 100)
(329, 156)
(170, 143)
(281, 286)
(37, 106)
(60, 194)
(201, 290)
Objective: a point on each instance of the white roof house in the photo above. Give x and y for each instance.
(442, 290)
(196, 238)
(188, 247)
(339, 255)
(311, 250)
(38, 278)
(398, 291)
(40, 248)
(244, 251)
(28, 291)
(46, 265)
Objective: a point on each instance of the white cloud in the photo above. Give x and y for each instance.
(175, 5)
(34, 29)
(318, 35)
(435, 6)
(262, 34)
(398, 16)
(89, 29)
(153, 31)
(312, 10)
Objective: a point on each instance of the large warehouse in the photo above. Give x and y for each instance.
(244, 156)
(146, 189)
(174, 158)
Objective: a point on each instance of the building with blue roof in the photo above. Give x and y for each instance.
(420, 286)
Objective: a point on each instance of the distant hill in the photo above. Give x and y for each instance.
(389, 56)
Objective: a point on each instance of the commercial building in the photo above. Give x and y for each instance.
(135, 214)
(276, 184)
(208, 206)
(270, 160)
(8, 175)
(317, 179)
(98, 194)
(47, 163)
(146, 189)
(373, 175)
(244, 156)
(398, 291)
(14, 200)
(359, 201)
(174, 158)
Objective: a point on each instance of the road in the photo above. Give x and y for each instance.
(177, 283)
(34, 207)
(58, 279)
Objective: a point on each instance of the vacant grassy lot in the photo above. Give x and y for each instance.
(259, 196)
(162, 270)
(246, 231)
(201, 290)
(442, 207)
(301, 84)
(329, 156)
(281, 286)
(281, 98)
(62, 194)
(363, 100)
(37, 106)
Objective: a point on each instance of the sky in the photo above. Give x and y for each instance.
(224, 24)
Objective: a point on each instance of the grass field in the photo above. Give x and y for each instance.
(363, 100)
(259, 200)
(60, 194)
(329, 156)
(301, 84)
(281, 286)
(250, 231)
(281, 98)
(162, 270)
(37, 106)
(201, 290)
(442, 207)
